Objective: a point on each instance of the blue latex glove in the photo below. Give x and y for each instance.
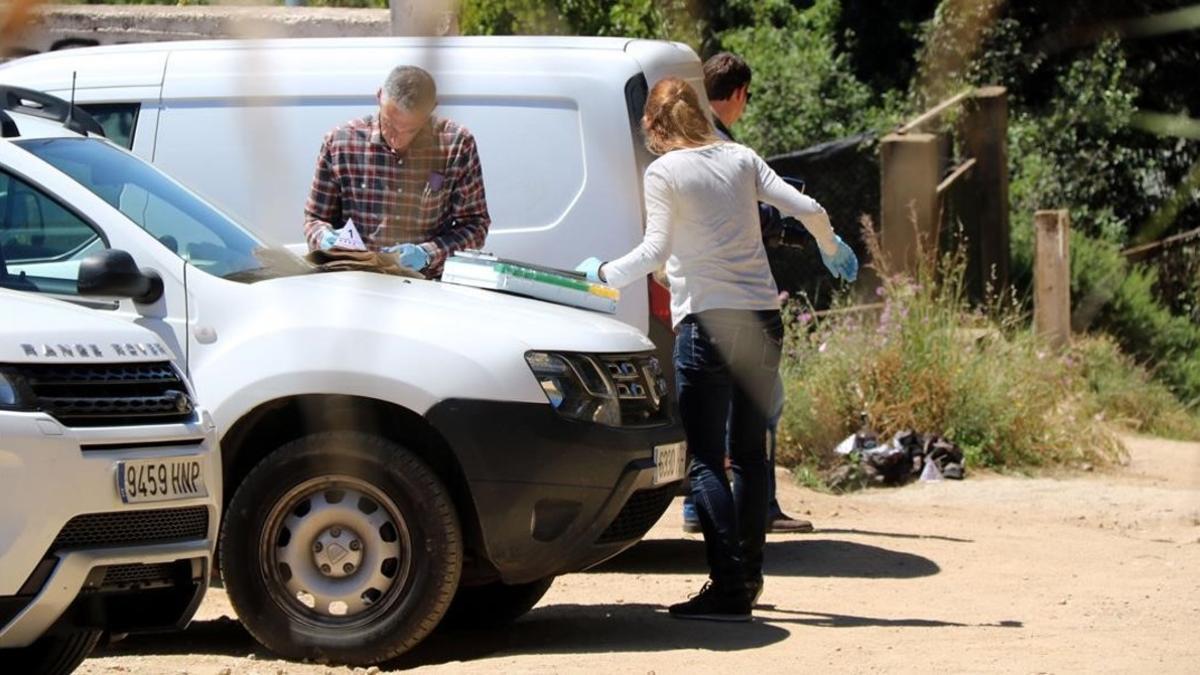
(842, 264)
(328, 237)
(591, 267)
(410, 255)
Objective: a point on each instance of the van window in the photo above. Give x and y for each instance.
(118, 119)
(41, 242)
(637, 90)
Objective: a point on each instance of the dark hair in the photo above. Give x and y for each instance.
(411, 88)
(725, 73)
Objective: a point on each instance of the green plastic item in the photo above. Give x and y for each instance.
(543, 277)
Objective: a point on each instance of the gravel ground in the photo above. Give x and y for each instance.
(1092, 572)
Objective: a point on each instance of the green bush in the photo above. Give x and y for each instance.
(1097, 272)
(1078, 152)
(804, 89)
(1145, 328)
(1126, 394)
(670, 20)
(1110, 294)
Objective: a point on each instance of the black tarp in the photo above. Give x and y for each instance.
(843, 175)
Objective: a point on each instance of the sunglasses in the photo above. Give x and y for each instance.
(749, 95)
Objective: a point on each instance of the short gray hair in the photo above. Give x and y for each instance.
(411, 88)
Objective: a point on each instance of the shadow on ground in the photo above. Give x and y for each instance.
(806, 557)
(603, 628)
(221, 637)
(590, 629)
(894, 535)
(770, 613)
(555, 629)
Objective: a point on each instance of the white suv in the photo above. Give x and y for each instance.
(110, 483)
(389, 444)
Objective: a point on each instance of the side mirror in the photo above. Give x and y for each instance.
(114, 274)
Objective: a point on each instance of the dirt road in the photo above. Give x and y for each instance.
(1091, 572)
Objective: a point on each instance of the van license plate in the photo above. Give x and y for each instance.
(670, 463)
(159, 480)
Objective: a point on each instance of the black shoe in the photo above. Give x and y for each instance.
(713, 604)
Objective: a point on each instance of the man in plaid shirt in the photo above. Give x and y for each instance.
(410, 181)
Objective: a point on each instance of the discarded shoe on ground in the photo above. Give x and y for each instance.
(909, 456)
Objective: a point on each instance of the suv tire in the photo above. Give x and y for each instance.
(341, 546)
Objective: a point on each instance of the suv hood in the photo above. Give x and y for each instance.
(438, 308)
(40, 330)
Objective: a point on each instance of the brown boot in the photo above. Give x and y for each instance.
(785, 524)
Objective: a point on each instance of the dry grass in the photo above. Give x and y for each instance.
(931, 362)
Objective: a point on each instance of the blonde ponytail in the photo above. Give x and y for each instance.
(673, 118)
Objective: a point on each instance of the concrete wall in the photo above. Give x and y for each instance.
(63, 26)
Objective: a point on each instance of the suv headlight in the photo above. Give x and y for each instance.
(13, 393)
(577, 387)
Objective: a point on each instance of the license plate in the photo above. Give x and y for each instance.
(158, 480)
(670, 463)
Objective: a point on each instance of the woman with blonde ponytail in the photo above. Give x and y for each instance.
(673, 119)
(701, 199)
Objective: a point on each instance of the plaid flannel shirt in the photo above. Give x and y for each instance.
(431, 194)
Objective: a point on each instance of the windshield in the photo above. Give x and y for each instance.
(187, 225)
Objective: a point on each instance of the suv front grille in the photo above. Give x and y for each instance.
(133, 528)
(639, 514)
(110, 394)
(138, 575)
(641, 388)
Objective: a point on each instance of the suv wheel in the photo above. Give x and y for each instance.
(341, 546)
(495, 604)
(57, 654)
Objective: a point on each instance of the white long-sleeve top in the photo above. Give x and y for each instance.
(702, 221)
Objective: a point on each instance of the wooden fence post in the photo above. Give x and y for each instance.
(1052, 277)
(985, 138)
(911, 167)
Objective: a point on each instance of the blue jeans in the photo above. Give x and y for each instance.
(774, 511)
(726, 363)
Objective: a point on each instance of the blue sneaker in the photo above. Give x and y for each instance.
(691, 520)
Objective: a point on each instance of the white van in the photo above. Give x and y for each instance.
(110, 483)
(394, 448)
(556, 120)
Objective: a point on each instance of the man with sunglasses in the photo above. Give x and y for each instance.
(409, 181)
(727, 84)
